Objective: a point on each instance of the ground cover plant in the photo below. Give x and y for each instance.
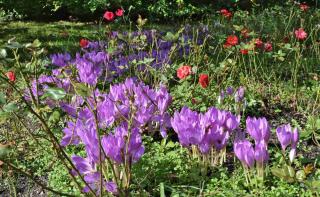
(228, 106)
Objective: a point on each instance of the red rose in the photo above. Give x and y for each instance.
(300, 34)
(119, 12)
(232, 40)
(304, 7)
(183, 71)
(11, 76)
(108, 15)
(258, 43)
(84, 43)
(204, 80)
(226, 13)
(268, 47)
(244, 51)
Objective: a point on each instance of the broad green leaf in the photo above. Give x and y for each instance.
(55, 93)
(54, 117)
(14, 45)
(4, 116)
(283, 173)
(2, 98)
(10, 107)
(81, 89)
(306, 133)
(4, 151)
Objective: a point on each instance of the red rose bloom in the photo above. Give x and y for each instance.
(268, 47)
(183, 71)
(11, 76)
(304, 7)
(119, 12)
(244, 51)
(108, 15)
(232, 40)
(226, 13)
(84, 43)
(258, 43)
(300, 34)
(204, 80)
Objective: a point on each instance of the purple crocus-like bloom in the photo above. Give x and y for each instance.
(88, 134)
(88, 71)
(286, 137)
(70, 135)
(245, 153)
(239, 94)
(70, 110)
(217, 125)
(261, 154)
(60, 59)
(229, 90)
(258, 128)
(115, 145)
(186, 124)
(284, 134)
(163, 99)
(111, 187)
(219, 137)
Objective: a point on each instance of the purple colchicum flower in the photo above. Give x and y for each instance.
(258, 128)
(60, 59)
(229, 90)
(239, 94)
(287, 136)
(186, 124)
(261, 154)
(70, 136)
(204, 130)
(88, 69)
(115, 146)
(245, 153)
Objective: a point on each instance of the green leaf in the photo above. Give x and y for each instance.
(81, 89)
(55, 93)
(2, 98)
(54, 117)
(10, 107)
(4, 116)
(4, 151)
(313, 185)
(287, 173)
(306, 133)
(14, 45)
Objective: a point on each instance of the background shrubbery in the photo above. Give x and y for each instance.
(155, 10)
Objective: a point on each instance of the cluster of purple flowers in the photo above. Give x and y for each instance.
(259, 130)
(211, 129)
(129, 108)
(127, 49)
